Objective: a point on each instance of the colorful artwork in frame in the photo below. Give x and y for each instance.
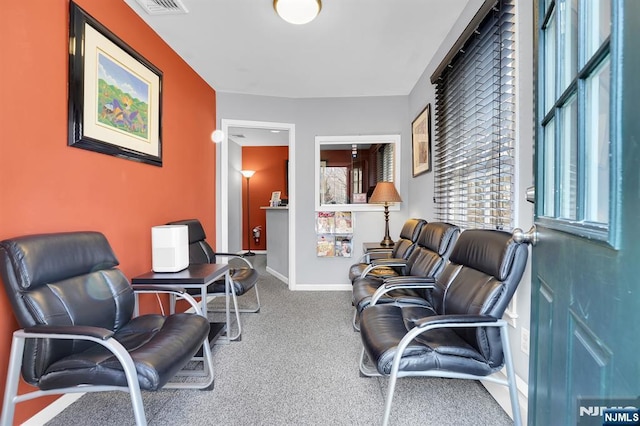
(114, 94)
(421, 142)
(123, 99)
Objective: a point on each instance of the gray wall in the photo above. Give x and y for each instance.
(327, 117)
(353, 116)
(421, 188)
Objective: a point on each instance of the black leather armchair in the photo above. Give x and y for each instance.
(78, 331)
(243, 278)
(427, 261)
(384, 264)
(460, 334)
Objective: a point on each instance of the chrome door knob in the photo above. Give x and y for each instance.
(529, 237)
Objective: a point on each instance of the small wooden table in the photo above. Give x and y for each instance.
(196, 276)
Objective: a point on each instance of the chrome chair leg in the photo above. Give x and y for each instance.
(365, 368)
(13, 377)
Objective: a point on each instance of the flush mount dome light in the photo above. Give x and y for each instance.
(297, 11)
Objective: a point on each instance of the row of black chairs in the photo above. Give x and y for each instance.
(436, 310)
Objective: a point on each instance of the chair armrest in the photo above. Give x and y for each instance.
(366, 257)
(75, 330)
(238, 256)
(443, 321)
(383, 263)
(389, 261)
(407, 281)
(228, 254)
(379, 253)
(381, 250)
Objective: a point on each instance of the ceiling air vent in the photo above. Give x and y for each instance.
(163, 7)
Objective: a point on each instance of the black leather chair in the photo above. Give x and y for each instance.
(386, 259)
(243, 278)
(78, 333)
(461, 334)
(428, 259)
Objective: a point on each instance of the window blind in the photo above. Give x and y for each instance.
(475, 127)
(384, 170)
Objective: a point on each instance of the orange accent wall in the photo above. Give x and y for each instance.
(269, 162)
(46, 186)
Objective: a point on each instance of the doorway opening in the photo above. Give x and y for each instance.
(239, 133)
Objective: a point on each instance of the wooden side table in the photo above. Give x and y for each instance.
(196, 276)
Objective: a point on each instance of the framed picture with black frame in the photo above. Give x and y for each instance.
(421, 142)
(115, 95)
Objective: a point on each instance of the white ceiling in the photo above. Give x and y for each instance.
(353, 48)
(245, 136)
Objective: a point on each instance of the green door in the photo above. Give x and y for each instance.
(586, 266)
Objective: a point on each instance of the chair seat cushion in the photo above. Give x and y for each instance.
(159, 346)
(383, 326)
(243, 280)
(382, 272)
(356, 270)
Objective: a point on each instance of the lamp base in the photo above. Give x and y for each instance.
(387, 242)
(249, 253)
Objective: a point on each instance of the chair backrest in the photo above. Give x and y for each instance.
(483, 274)
(63, 279)
(434, 245)
(409, 234)
(199, 249)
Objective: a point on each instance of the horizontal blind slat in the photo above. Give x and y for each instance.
(475, 127)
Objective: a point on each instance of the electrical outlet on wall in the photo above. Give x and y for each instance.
(524, 340)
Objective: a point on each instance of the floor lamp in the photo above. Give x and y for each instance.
(248, 174)
(386, 193)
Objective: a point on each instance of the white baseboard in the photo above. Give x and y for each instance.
(323, 287)
(501, 394)
(278, 275)
(53, 409)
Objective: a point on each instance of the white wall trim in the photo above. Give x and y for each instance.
(324, 287)
(222, 234)
(222, 240)
(278, 275)
(53, 409)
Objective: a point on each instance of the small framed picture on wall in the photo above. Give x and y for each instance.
(421, 142)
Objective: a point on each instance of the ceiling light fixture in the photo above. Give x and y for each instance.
(297, 11)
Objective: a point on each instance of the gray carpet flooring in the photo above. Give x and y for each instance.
(296, 364)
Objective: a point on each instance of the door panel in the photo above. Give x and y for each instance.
(590, 363)
(542, 355)
(586, 266)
